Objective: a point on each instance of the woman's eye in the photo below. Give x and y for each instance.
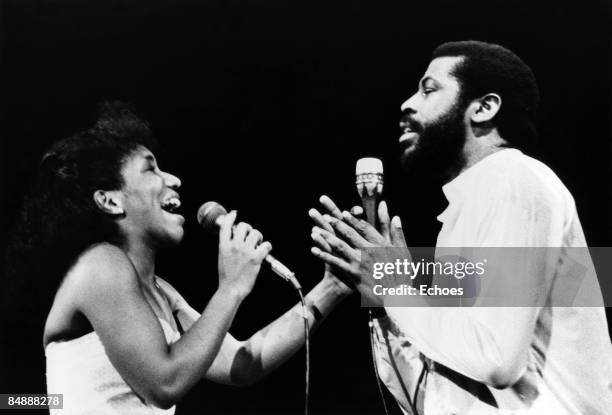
(427, 91)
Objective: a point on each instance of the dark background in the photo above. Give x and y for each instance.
(263, 105)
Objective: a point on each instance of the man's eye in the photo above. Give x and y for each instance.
(427, 91)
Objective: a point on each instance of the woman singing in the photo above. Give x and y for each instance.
(100, 211)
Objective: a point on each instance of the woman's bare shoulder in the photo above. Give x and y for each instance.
(98, 271)
(100, 266)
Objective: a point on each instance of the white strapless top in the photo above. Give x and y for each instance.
(81, 371)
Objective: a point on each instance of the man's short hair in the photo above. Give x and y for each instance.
(490, 68)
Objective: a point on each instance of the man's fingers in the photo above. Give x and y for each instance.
(347, 233)
(383, 220)
(331, 260)
(319, 240)
(316, 216)
(357, 211)
(338, 245)
(358, 224)
(364, 229)
(331, 207)
(397, 233)
(225, 227)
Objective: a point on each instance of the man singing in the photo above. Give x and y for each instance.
(473, 112)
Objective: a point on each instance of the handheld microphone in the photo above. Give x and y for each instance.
(369, 180)
(209, 214)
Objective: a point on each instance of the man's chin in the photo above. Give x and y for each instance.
(410, 158)
(420, 165)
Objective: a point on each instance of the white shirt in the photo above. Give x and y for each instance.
(543, 359)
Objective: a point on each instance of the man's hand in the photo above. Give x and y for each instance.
(332, 274)
(347, 243)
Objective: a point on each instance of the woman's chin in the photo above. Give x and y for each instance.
(177, 236)
(171, 237)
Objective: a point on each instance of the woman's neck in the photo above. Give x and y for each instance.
(143, 258)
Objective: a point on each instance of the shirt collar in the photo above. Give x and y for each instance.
(458, 187)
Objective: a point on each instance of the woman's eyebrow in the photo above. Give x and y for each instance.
(150, 158)
(148, 161)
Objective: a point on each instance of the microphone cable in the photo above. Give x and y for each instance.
(207, 216)
(307, 346)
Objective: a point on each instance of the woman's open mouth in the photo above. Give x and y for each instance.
(171, 204)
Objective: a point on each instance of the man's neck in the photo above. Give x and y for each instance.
(476, 149)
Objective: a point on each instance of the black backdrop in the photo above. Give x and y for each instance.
(263, 105)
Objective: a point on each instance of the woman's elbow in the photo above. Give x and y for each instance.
(164, 397)
(165, 392)
(245, 375)
(246, 368)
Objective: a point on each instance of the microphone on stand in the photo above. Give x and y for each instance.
(208, 216)
(369, 180)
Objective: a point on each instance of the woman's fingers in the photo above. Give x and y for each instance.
(225, 228)
(254, 238)
(241, 231)
(263, 250)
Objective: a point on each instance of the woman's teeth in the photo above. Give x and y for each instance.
(170, 205)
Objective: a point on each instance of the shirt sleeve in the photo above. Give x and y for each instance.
(491, 344)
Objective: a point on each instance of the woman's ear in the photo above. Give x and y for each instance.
(109, 202)
(486, 108)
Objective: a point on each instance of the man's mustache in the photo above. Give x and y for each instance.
(407, 121)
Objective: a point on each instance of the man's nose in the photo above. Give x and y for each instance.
(409, 105)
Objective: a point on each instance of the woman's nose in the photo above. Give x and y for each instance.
(171, 180)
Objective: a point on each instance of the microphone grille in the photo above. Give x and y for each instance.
(208, 214)
(369, 177)
(369, 165)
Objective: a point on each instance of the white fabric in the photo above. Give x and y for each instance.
(558, 358)
(81, 370)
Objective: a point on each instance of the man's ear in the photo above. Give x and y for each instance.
(109, 202)
(485, 108)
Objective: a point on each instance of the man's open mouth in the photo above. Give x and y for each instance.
(408, 135)
(410, 130)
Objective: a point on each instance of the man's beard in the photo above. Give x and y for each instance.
(438, 150)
